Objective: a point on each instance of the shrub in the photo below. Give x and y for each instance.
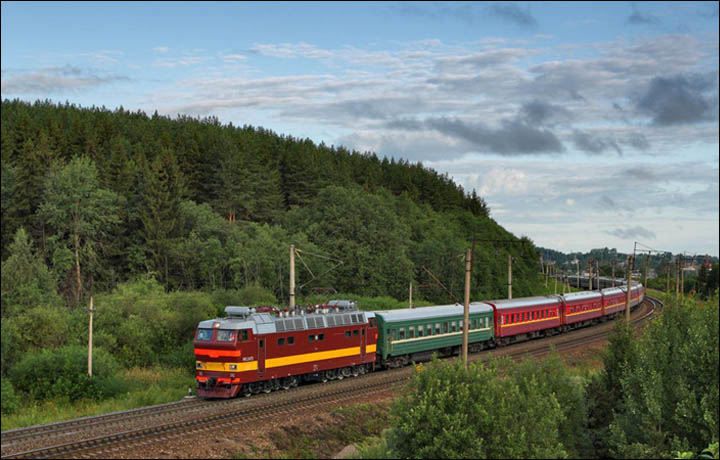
(62, 373)
(10, 402)
(670, 390)
(451, 412)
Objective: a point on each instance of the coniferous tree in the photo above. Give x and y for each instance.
(164, 190)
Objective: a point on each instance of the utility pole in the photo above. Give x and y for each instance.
(590, 274)
(677, 277)
(667, 281)
(466, 310)
(90, 327)
(410, 302)
(629, 283)
(577, 264)
(647, 260)
(682, 276)
(509, 276)
(547, 268)
(597, 274)
(555, 278)
(613, 272)
(292, 275)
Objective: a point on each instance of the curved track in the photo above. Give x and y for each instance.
(99, 435)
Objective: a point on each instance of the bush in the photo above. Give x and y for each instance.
(62, 373)
(670, 389)
(451, 412)
(10, 402)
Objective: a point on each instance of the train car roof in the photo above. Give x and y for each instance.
(572, 296)
(264, 323)
(437, 311)
(505, 304)
(612, 291)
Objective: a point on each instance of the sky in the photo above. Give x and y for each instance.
(583, 125)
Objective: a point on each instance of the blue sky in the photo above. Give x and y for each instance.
(582, 124)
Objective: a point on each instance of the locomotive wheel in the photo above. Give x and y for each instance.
(266, 387)
(355, 371)
(286, 383)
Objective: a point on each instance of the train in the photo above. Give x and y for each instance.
(250, 351)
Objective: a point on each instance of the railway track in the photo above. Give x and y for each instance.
(197, 415)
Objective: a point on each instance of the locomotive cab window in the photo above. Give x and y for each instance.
(225, 335)
(322, 336)
(281, 341)
(243, 335)
(311, 338)
(204, 334)
(290, 340)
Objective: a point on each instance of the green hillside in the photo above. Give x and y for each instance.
(112, 195)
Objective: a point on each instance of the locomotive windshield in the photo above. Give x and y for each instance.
(204, 334)
(225, 335)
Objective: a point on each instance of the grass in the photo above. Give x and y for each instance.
(145, 387)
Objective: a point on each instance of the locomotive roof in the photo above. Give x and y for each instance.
(583, 295)
(524, 302)
(264, 323)
(613, 291)
(438, 311)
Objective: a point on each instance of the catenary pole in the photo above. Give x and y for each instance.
(466, 310)
(509, 276)
(90, 330)
(292, 275)
(629, 285)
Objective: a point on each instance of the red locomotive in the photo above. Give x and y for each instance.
(249, 352)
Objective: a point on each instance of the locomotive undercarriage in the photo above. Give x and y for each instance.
(215, 388)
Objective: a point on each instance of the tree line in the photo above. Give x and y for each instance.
(105, 196)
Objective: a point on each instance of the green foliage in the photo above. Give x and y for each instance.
(10, 401)
(205, 206)
(659, 393)
(142, 325)
(80, 214)
(451, 412)
(62, 373)
(26, 281)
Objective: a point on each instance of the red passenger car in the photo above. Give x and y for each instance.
(519, 319)
(582, 308)
(249, 352)
(613, 301)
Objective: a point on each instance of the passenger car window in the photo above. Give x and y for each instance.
(204, 334)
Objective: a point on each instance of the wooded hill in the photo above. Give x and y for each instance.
(106, 196)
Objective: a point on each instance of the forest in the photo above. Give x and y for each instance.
(105, 195)
(166, 221)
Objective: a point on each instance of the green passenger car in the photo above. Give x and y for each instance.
(414, 334)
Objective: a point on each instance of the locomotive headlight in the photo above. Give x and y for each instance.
(233, 367)
(198, 365)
